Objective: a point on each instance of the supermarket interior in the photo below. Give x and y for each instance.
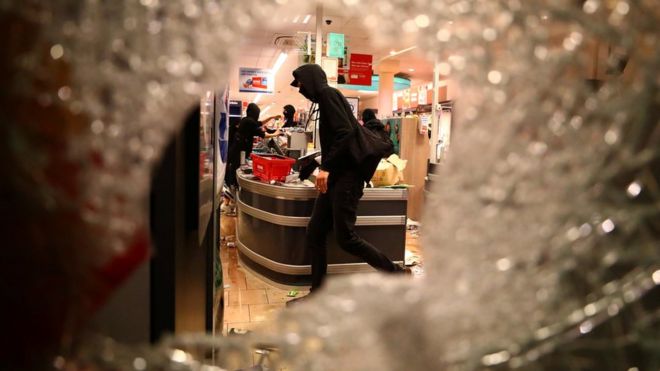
(258, 185)
(263, 222)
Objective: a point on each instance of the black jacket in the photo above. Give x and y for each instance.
(337, 123)
(377, 127)
(248, 128)
(289, 112)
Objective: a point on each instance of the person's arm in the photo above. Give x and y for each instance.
(271, 118)
(341, 124)
(272, 135)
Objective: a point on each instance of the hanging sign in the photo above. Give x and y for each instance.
(354, 103)
(255, 80)
(422, 97)
(335, 45)
(331, 68)
(360, 69)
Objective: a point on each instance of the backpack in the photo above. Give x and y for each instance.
(367, 149)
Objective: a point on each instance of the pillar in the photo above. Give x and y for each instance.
(386, 71)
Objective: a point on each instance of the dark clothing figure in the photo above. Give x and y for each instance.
(336, 118)
(336, 208)
(248, 128)
(289, 112)
(374, 124)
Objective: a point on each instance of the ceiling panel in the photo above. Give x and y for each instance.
(258, 50)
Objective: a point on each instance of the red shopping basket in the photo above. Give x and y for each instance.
(271, 167)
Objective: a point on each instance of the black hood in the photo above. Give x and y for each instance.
(313, 80)
(289, 111)
(253, 111)
(368, 115)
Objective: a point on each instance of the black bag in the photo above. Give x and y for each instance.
(367, 149)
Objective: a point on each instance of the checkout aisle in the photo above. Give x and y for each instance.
(265, 261)
(252, 302)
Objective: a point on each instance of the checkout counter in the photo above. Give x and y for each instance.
(271, 224)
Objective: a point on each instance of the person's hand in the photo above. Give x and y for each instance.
(322, 181)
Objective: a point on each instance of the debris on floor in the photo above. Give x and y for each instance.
(411, 259)
(237, 331)
(413, 227)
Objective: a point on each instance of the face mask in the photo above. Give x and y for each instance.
(306, 94)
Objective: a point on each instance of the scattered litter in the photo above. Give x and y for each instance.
(411, 259)
(292, 293)
(412, 224)
(417, 271)
(237, 331)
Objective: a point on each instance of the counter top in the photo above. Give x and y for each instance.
(253, 184)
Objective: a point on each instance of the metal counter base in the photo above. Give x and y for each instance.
(271, 230)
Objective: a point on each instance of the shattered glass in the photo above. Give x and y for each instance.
(541, 239)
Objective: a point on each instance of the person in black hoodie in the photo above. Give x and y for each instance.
(372, 123)
(289, 112)
(340, 180)
(248, 128)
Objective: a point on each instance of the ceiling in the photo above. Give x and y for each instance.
(258, 50)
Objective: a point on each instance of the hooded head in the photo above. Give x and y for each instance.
(253, 111)
(368, 115)
(310, 79)
(289, 111)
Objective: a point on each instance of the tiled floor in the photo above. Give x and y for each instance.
(251, 303)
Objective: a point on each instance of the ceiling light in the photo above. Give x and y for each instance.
(296, 19)
(411, 69)
(279, 62)
(307, 17)
(394, 52)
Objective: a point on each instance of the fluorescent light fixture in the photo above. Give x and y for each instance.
(366, 92)
(296, 19)
(279, 62)
(307, 17)
(257, 98)
(394, 52)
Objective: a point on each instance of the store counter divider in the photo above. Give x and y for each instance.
(272, 220)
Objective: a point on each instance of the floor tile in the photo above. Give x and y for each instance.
(276, 296)
(264, 312)
(249, 326)
(237, 314)
(255, 283)
(241, 297)
(236, 280)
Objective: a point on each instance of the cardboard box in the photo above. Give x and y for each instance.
(389, 172)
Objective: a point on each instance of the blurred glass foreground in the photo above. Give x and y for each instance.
(542, 238)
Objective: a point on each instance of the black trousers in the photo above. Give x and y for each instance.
(337, 208)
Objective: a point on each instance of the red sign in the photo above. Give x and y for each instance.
(360, 69)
